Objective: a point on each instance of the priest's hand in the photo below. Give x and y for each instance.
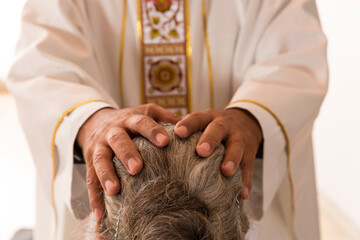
(236, 128)
(110, 131)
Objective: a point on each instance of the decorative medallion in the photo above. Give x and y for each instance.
(165, 54)
(165, 75)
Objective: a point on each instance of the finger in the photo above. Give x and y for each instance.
(147, 127)
(104, 168)
(214, 133)
(247, 170)
(125, 150)
(159, 113)
(192, 123)
(97, 228)
(95, 193)
(233, 154)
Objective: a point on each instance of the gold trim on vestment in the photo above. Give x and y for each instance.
(287, 141)
(208, 53)
(188, 54)
(140, 36)
(122, 42)
(67, 112)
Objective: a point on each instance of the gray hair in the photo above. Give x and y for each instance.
(177, 195)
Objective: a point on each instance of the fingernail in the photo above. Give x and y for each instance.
(132, 163)
(108, 185)
(97, 214)
(229, 165)
(205, 147)
(182, 130)
(160, 138)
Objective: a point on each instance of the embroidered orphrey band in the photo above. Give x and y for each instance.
(165, 54)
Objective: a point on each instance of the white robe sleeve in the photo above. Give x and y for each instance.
(282, 84)
(56, 80)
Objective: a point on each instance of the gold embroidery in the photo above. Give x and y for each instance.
(140, 36)
(164, 75)
(188, 54)
(123, 28)
(165, 53)
(174, 102)
(169, 49)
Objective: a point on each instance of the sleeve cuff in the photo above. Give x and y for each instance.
(270, 170)
(70, 178)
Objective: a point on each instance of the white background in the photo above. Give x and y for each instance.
(337, 130)
(336, 133)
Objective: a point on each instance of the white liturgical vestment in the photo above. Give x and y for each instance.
(268, 57)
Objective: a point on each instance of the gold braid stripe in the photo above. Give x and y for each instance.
(188, 54)
(140, 33)
(53, 151)
(207, 44)
(283, 130)
(123, 28)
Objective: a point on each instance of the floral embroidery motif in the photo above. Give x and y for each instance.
(165, 75)
(164, 52)
(164, 22)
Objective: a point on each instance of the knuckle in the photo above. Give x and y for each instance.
(139, 121)
(150, 105)
(114, 136)
(153, 129)
(220, 125)
(102, 173)
(150, 108)
(87, 156)
(93, 203)
(90, 181)
(126, 113)
(195, 115)
(235, 156)
(125, 153)
(237, 141)
(98, 157)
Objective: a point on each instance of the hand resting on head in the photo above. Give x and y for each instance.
(177, 195)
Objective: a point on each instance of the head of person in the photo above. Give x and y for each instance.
(177, 195)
